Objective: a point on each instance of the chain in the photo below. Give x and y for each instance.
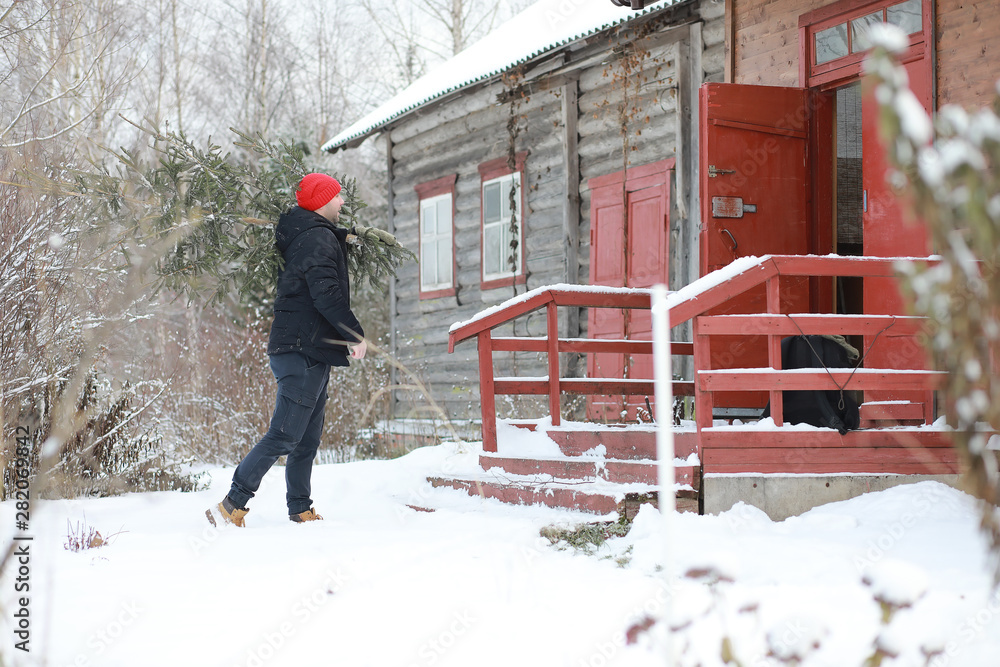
(856, 367)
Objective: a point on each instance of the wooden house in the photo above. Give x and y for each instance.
(724, 148)
(531, 129)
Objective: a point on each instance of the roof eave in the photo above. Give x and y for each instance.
(356, 140)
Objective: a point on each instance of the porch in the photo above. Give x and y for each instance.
(606, 467)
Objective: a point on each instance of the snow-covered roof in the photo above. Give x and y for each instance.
(543, 27)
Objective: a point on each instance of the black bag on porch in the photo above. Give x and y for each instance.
(831, 409)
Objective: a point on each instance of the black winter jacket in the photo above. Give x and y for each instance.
(312, 310)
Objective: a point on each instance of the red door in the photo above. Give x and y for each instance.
(636, 259)
(888, 233)
(755, 201)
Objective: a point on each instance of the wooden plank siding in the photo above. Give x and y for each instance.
(458, 133)
(766, 50)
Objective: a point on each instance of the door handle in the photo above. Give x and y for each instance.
(732, 238)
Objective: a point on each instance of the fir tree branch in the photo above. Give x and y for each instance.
(227, 207)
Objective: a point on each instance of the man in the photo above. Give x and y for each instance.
(313, 329)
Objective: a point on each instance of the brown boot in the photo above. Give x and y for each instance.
(226, 512)
(302, 517)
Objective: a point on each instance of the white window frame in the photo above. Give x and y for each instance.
(433, 240)
(503, 224)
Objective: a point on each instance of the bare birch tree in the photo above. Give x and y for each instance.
(421, 32)
(170, 69)
(63, 66)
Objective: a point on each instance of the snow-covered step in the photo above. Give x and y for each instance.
(645, 472)
(549, 494)
(620, 442)
(559, 468)
(584, 466)
(580, 468)
(597, 497)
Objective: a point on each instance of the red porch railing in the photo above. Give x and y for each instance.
(692, 303)
(774, 326)
(750, 449)
(553, 385)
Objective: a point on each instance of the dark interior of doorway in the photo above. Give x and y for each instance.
(850, 203)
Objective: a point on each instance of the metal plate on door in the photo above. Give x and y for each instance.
(731, 207)
(727, 207)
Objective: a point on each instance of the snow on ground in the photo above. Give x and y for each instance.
(472, 583)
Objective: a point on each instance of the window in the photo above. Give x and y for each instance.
(907, 15)
(503, 217)
(437, 237)
(435, 242)
(831, 44)
(501, 227)
(859, 31)
(836, 37)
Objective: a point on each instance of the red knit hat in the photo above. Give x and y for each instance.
(316, 190)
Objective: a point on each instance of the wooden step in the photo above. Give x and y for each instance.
(645, 472)
(620, 442)
(541, 494)
(562, 495)
(564, 469)
(578, 468)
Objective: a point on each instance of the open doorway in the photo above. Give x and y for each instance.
(850, 195)
(868, 216)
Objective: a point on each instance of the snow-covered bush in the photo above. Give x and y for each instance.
(57, 290)
(115, 450)
(951, 169)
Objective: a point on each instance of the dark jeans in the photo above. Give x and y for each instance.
(295, 431)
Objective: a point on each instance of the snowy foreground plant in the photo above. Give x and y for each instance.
(951, 170)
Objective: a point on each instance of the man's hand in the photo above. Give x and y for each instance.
(359, 350)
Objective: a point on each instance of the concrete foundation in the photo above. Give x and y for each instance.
(783, 496)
